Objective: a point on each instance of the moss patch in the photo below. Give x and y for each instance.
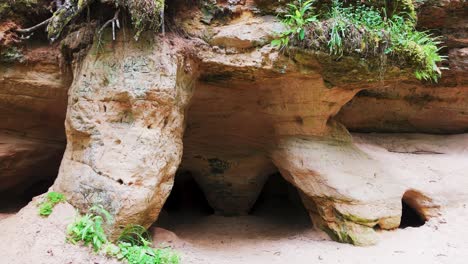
(11, 55)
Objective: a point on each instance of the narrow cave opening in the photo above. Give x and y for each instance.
(186, 198)
(278, 199)
(410, 217)
(12, 200)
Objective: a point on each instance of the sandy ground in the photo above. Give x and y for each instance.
(273, 234)
(261, 239)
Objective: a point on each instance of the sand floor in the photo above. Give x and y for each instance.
(288, 237)
(267, 236)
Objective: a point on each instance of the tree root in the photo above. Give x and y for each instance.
(114, 21)
(33, 28)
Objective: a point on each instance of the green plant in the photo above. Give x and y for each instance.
(133, 245)
(419, 48)
(366, 31)
(134, 234)
(89, 228)
(51, 199)
(144, 254)
(299, 16)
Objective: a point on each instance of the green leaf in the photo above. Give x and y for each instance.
(302, 34)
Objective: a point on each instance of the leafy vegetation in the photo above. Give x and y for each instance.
(133, 245)
(297, 19)
(89, 228)
(363, 30)
(146, 14)
(51, 199)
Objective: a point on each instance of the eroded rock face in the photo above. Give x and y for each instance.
(256, 110)
(412, 106)
(26, 161)
(231, 184)
(33, 96)
(124, 124)
(351, 187)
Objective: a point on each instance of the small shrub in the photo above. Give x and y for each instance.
(296, 20)
(144, 254)
(51, 199)
(133, 245)
(89, 228)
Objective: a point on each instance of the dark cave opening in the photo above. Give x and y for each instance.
(186, 195)
(11, 201)
(188, 209)
(279, 198)
(410, 216)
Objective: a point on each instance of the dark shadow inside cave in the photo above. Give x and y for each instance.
(186, 199)
(277, 213)
(278, 199)
(410, 217)
(11, 201)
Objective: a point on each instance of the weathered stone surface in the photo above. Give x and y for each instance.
(254, 106)
(349, 188)
(125, 122)
(412, 106)
(231, 184)
(248, 33)
(44, 238)
(33, 96)
(25, 161)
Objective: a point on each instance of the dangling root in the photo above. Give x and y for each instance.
(115, 22)
(33, 28)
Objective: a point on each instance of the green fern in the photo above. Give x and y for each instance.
(133, 245)
(365, 31)
(296, 20)
(89, 228)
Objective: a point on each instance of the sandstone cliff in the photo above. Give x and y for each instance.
(213, 97)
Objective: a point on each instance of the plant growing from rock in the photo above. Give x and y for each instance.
(51, 199)
(133, 245)
(299, 16)
(365, 31)
(89, 228)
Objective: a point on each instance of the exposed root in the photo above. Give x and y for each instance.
(115, 23)
(33, 28)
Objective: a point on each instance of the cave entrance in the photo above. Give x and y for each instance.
(186, 200)
(277, 213)
(12, 200)
(411, 215)
(278, 199)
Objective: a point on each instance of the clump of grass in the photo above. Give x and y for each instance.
(363, 30)
(133, 245)
(51, 199)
